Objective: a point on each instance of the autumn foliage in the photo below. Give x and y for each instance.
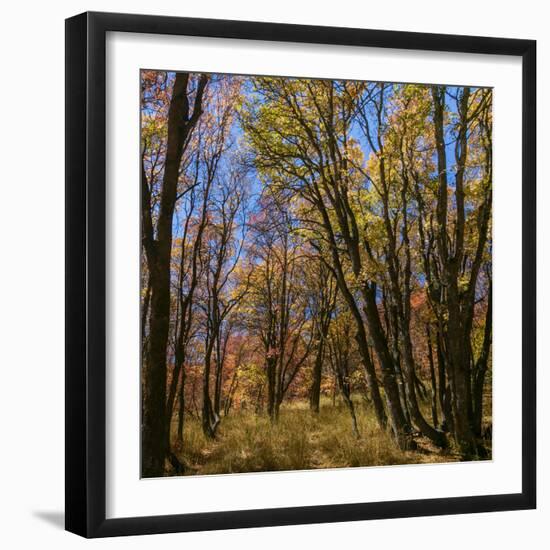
(316, 271)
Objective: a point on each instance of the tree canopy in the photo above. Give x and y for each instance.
(314, 240)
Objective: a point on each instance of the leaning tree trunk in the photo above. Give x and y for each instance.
(397, 416)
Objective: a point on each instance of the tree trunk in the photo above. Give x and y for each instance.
(210, 419)
(155, 425)
(397, 416)
(441, 390)
(482, 367)
(315, 396)
(432, 377)
(270, 373)
(457, 341)
(351, 408)
(416, 415)
(181, 410)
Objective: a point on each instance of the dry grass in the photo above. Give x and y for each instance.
(299, 441)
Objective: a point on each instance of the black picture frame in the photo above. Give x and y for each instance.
(86, 274)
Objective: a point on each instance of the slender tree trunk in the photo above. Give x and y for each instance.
(155, 425)
(181, 410)
(433, 380)
(482, 367)
(174, 383)
(370, 374)
(210, 419)
(145, 312)
(397, 416)
(360, 335)
(315, 394)
(441, 388)
(392, 331)
(228, 402)
(351, 408)
(416, 415)
(220, 357)
(270, 372)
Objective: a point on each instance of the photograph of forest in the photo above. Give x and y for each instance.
(316, 273)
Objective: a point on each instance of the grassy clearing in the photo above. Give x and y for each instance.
(299, 441)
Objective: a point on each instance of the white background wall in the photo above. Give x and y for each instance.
(32, 271)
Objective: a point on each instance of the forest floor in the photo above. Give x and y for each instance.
(300, 440)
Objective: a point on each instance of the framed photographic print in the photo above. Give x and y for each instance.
(300, 274)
